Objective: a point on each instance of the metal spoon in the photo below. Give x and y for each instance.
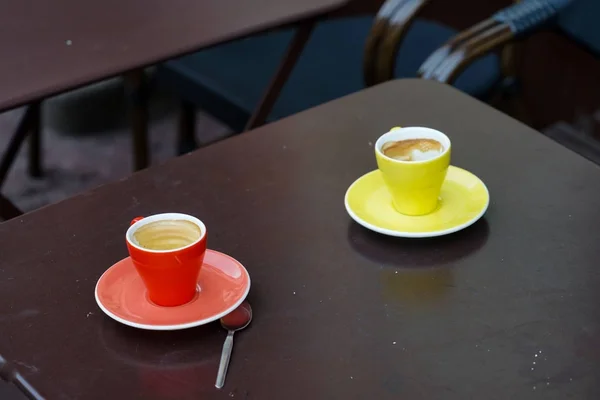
(9, 374)
(235, 321)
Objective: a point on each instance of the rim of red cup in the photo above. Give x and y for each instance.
(163, 216)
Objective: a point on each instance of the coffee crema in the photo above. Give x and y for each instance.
(168, 234)
(413, 149)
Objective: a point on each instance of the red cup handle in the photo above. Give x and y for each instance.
(136, 219)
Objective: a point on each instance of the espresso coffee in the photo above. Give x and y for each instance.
(413, 149)
(167, 234)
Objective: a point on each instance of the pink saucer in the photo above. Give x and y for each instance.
(223, 285)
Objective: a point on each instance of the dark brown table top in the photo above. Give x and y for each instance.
(507, 309)
(49, 47)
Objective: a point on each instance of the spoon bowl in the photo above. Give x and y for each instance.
(235, 321)
(239, 318)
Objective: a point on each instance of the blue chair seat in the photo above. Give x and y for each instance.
(579, 22)
(229, 80)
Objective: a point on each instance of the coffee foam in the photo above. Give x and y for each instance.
(413, 149)
(167, 234)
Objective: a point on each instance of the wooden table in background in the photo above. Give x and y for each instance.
(51, 47)
(506, 309)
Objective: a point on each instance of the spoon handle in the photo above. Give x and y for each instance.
(225, 356)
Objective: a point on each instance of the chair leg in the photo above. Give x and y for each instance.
(187, 128)
(7, 209)
(35, 141)
(15, 143)
(294, 50)
(137, 96)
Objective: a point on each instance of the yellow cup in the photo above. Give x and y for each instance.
(414, 185)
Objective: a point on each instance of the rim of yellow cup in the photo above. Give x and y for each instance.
(412, 132)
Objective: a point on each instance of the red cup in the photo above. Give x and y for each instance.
(170, 276)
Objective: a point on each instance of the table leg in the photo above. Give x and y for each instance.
(137, 96)
(15, 143)
(35, 140)
(187, 124)
(260, 114)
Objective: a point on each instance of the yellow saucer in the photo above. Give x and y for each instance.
(463, 200)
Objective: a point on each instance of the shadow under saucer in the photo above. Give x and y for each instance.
(425, 252)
